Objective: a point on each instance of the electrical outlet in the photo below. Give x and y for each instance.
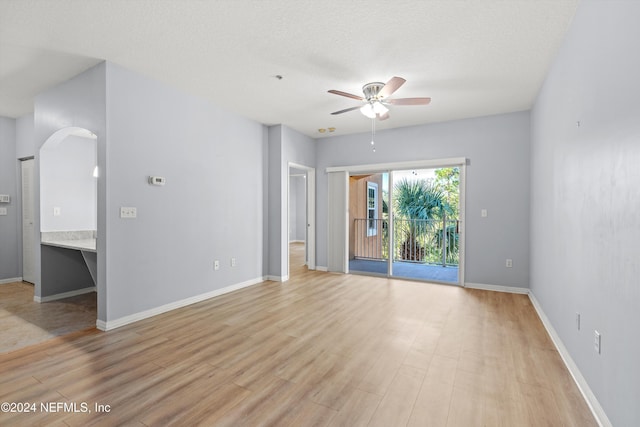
(483, 213)
(216, 265)
(509, 263)
(597, 341)
(578, 321)
(233, 262)
(3, 211)
(128, 212)
(56, 211)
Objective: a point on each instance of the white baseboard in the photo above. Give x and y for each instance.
(587, 394)
(497, 288)
(589, 397)
(65, 294)
(321, 268)
(10, 280)
(277, 278)
(116, 323)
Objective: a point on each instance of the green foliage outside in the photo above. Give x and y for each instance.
(420, 207)
(448, 181)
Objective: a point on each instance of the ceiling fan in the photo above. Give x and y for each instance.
(376, 98)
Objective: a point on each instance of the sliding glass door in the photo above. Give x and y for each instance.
(406, 224)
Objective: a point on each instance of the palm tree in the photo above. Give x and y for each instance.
(419, 202)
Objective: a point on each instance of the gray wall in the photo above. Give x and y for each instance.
(24, 149)
(297, 208)
(78, 102)
(210, 208)
(585, 199)
(67, 182)
(275, 206)
(293, 211)
(25, 137)
(497, 180)
(10, 232)
(301, 208)
(285, 145)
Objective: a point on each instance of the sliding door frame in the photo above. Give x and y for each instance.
(459, 162)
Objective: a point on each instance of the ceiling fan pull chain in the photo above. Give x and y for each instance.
(373, 134)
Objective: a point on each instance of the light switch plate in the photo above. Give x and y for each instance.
(3, 211)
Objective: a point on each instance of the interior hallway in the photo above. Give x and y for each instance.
(320, 349)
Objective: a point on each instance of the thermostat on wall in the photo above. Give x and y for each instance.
(5, 198)
(156, 180)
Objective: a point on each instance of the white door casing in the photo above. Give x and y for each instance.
(310, 194)
(28, 230)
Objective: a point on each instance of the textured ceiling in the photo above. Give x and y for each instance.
(472, 57)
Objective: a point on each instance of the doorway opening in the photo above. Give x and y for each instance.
(300, 218)
(68, 215)
(405, 223)
(62, 280)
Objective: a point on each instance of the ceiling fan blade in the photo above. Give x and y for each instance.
(408, 101)
(346, 110)
(384, 116)
(348, 95)
(391, 86)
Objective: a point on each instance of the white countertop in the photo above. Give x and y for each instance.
(88, 245)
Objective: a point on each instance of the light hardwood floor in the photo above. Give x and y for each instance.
(24, 322)
(321, 349)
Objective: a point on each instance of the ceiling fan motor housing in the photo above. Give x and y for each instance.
(371, 90)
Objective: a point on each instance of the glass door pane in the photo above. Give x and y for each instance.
(425, 224)
(368, 223)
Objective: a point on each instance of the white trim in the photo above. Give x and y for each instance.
(578, 378)
(497, 288)
(310, 229)
(462, 224)
(101, 325)
(311, 218)
(415, 164)
(277, 278)
(372, 231)
(391, 224)
(64, 294)
(322, 268)
(116, 323)
(583, 386)
(10, 280)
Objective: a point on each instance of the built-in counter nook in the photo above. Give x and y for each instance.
(68, 214)
(82, 241)
(79, 240)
